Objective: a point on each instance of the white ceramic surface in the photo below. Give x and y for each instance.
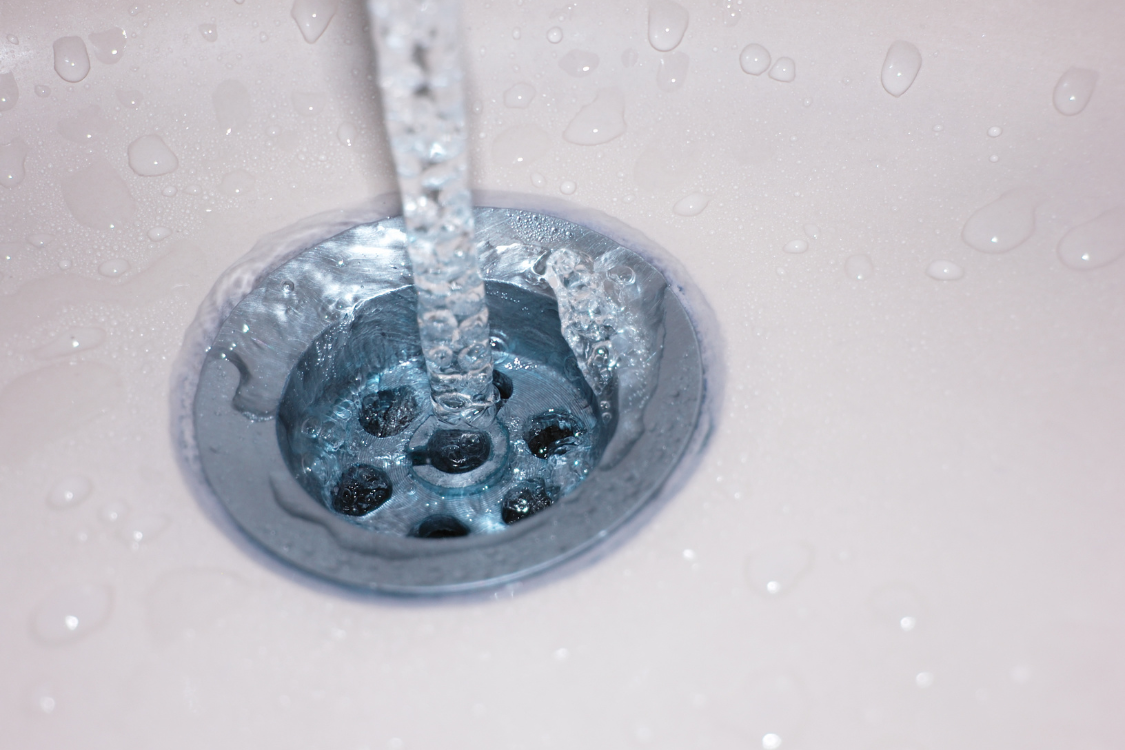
(906, 531)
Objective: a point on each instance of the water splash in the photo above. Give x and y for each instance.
(109, 45)
(9, 91)
(691, 204)
(1074, 89)
(1094, 244)
(784, 70)
(149, 156)
(313, 17)
(519, 96)
(72, 62)
(754, 59)
(672, 71)
(900, 67)
(667, 23)
(1003, 224)
(12, 157)
(70, 613)
(945, 270)
(600, 121)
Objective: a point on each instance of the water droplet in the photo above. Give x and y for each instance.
(538, 180)
(938, 128)
(136, 9)
(1094, 244)
(924, 679)
(39, 239)
(520, 145)
(72, 62)
(149, 156)
(796, 246)
(12, 156)
(691, 204)
(672, 71)
(69, 492)
(263, 37)
(944, 270)
(232, 105)
(859, 267)
(667, 22)
(775, 569)
(600, 121)
(193, 189)
(994, 132)
(309, 104)
(109, 45)
(730, 15)
(193, 601)
(130, 98)
(238, 182)
(71, 613)
(113, 267)
(313, 17)
(209, 32)
(9, 91)
(98, 197)
(168, 191)
(554, 35)
(812, 231)
(898, 606)
(43, 699)
(784, 70)
(156, 234)
(900, 67)
(143, 530)
(1003, 224)
(579, 63)
(347, 134)
(770, 741)
(629, 57)
(113, 513)
(516, 33)
(567, 187)
(754, 59)
(519, 96)
(13, 39)
(1074, 89)
(994, 158)
(72, 341)
(85, 127)
(42, 91)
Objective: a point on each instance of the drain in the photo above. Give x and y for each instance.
(313, 426)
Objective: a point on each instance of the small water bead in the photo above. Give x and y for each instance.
(156, 234)
(579, 63)
(994, 158)
(209, 32)
(598, 122)
(784, 70)
(812, 231)
(168, 191)
(994, 132)
(109, 45)
(771, 741)
(12, 158)
(13, 39)
(900, 67)
(944, 270)
(43, 699)
(9, 91)
(193, 189)
(362, 489)
(144, 529)
(519, 96)
(924, 679)
(754, 59)
(313, 17)
(938, 128)
(672, 71)
(776, 568)
(309, 104)
(691, 204)
(69, 491)
(39, 239)
(629, 57)
(1094, 244)
(113, 267)
(1003, 224)
(538, 180)
(516, 33)
(567, 187)
(263, 37)
(72, 62)
(859, 267)
(554, 35)
(72, 612)
(130, 98)
(667, 23)
(796, 246)
(72, 341)
(1074, 89)
(347, 134)
(149, 156)
(238, 182)
(42, 91)
(520, 145)
(136, 9)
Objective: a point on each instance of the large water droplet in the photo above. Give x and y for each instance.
(859, 267)
(85, 127)
(600, 121)
(784, 70)
(149, 156)
(209, 32)
(9, 91)
(900, 67)
(1074, 89)
(192, 601)
(775, 568)
(71, 613)
(72, 62)
(232, 105)
(667, 22)
(98, 197)
(238, 182)
(672, 71)
(1095, 243)
(579, 63)
(520, 145)
(347, 134)
(1002, 224)
(69, 491)
(109, 45)
(554, 35)
(12, 156)
(944, 270)
(691, 204)
(755, 59)
(309, 104)
(313, 17)
(72, 341)
(519, 96)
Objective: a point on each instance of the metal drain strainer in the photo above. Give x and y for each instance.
(311, 415)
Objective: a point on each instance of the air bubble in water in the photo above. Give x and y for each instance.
(42, 91)
(113, 267)
(309, 104)
(109, 45)
(554, 35)
(944, 270)
(313, 17)
(69, 491)
(796, 246)
(9, 91)
(209, 32)
(12, 156)
(72, 341)
(98, 197)
(900, 67)
(1003, 224)
(156, 234)
(567, 187)
(238, 182)
(667, 22)
(754, 59)
(784, 70)
(130, 98)
(994, 132)
(1094, 244)
(672, 71)
(520, 145)
(776, 568)
(149, 156)
(519, 96)
(72, 62)
(859, 267)
(579, 63)
(600, 121)
(691, 204)
(347, 133)
(1074, 89)
(70, 613)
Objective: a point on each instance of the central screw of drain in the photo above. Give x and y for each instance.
(458, 460)
(455, 451)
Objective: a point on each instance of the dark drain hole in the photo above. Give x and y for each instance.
(388, 412)
(525, 499)
(454, 451)
(362, 489)
(440, 526)
(551, 433)
(503, 384)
